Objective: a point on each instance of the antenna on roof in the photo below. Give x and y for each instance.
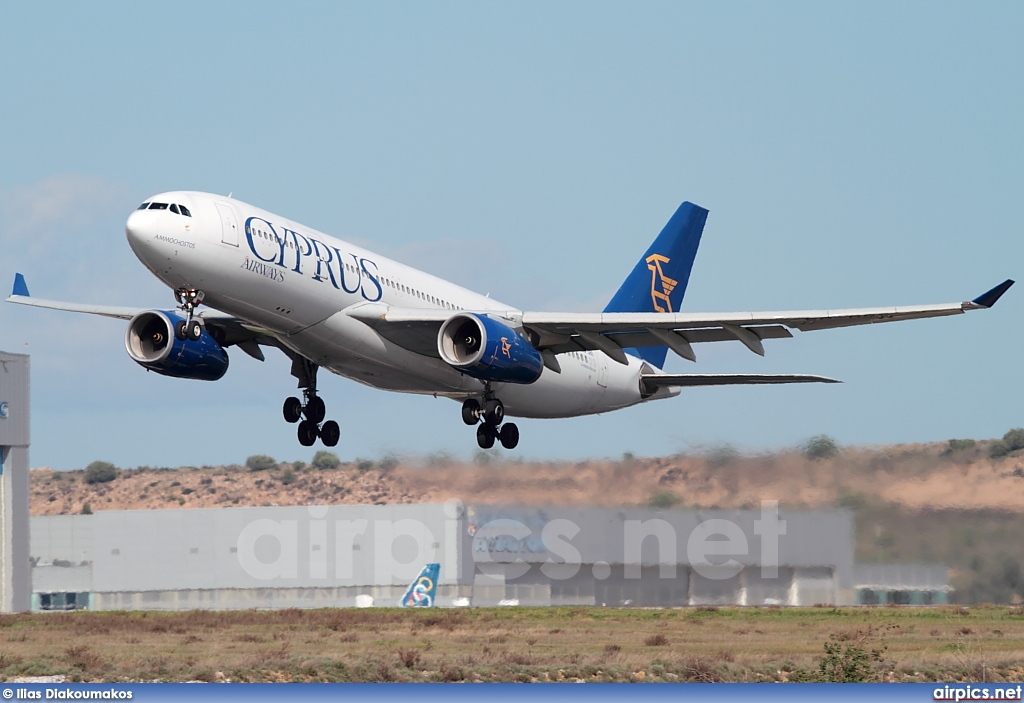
(231, 193)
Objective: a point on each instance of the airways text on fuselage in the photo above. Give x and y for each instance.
(294, 251)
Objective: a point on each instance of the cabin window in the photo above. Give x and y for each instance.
(143, 206)
(184, 211)
(158, 206)
(174, 209)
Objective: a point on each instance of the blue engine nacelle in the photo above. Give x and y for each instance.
(484, 348)
(151, 342)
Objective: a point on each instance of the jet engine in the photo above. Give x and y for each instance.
(151, 342)
(484, 348)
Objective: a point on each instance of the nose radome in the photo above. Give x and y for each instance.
(133, 227)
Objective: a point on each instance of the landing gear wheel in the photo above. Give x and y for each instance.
(471, 411)
(194, 330)
(508, 435)
(494, 412)
(181, 330)
(292, 410)
(315, 410)
(330, 433)
(308, 432)
(485, 436)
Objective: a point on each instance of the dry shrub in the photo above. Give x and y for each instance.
(449, 673)
(445, 621)
(409, 657)
(612, 648)
(658, 640)
(519, 658)
(701, 671)
(380, 672)
(7, 660)
(83, 658)
(290, 616)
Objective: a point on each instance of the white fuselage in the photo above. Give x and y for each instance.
(298, 284)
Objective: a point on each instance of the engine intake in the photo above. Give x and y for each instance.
(151, 342)
(484, 348)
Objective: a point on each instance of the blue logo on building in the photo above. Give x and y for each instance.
(3, 409)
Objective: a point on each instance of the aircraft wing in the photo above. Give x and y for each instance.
(20, 296)
(613, 332)
(230, 330)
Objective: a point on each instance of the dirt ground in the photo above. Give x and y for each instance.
(520, 644)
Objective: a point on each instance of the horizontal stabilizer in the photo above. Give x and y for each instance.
(729, 379)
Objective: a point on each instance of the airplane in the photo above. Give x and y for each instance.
(267, 281)
(422, 591)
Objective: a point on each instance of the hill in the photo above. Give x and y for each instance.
(914, 477)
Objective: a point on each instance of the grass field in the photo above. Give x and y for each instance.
(521, 644)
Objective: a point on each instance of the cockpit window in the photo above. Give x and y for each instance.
(158, 206)
(143, 206)
(184, 211)
(174, 209)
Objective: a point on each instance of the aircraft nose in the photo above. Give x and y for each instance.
(133, 228)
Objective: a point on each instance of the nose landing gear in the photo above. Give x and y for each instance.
(490, 416)
(188, 300)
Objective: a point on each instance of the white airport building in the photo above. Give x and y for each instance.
(15, 587)
(344, 555)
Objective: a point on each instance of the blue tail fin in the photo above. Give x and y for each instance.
(20, 287)
(421, 592)
(658, 281)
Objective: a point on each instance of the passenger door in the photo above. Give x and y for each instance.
(228, 224)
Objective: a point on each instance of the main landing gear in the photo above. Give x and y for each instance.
(313, 409)
(188, 300)
(490, 415)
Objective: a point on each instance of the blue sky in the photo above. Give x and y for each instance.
(851, 154)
